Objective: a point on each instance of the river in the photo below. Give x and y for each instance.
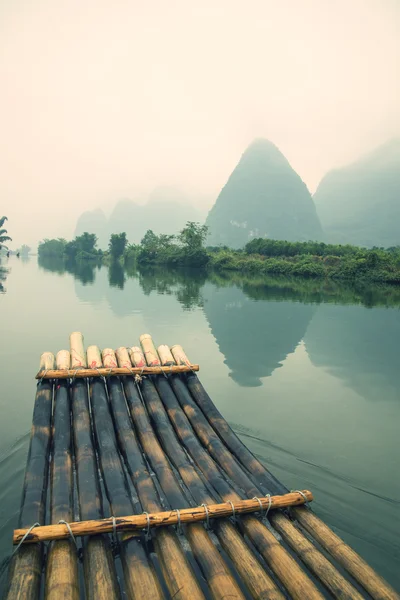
(306, 372)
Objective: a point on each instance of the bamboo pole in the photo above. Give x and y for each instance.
(61, 568)
(139, 574)
(78, 355)
(235, 445)
(84, 373)
(26, 565)
(316, 561)
(216, 574)
(176, 569)
(278, 559)
(100, 575)
(252, 574)
(160, 519)
(375, 585)
(281, 563)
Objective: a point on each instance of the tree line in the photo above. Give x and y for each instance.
(275, 257)
(187, 247)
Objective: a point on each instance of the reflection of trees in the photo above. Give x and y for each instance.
(82, 270)
(116, 275)
(3, 277)
(185, 284)
(264, 287)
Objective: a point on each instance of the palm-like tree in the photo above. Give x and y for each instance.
(3, 236)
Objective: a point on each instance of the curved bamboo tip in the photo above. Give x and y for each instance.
(137, 357)
(63, 360)
(149, 350)
(47, 361)
(94, 357)
(123, 357)
(179, 355)
(165, 355)
(78, 355)
(109, 358)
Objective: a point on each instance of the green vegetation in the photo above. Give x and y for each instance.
(3, 277)
(3, 234)
(117, 245)
(185, 249)
(260, 256)
(82, 247)
(312, 260)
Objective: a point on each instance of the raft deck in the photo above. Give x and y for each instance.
(134, 433)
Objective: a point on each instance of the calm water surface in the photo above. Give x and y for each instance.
(308, 377)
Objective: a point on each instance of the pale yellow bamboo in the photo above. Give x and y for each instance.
(136, 356)
(94, 357)
(149, 350)
(47, 361)
(78, 355)
(63, 359)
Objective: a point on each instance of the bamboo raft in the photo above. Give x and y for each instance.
(137, 487)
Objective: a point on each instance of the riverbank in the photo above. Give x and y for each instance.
(375, 266)
(260, 256)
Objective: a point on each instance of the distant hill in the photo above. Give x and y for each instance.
(166, 211)
(93, 221)
(360, 203)
(263, 197)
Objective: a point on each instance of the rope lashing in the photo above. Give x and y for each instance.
(269, 505)
(261, 506)
(139, 377)
(43, 376)
(233, 510)
(301, 494)
(147, 534)
(68, 526)
(24, 537)
(179, 525)
(207, 516)
(75, 372)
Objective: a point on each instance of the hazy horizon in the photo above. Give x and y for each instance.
(105, 101)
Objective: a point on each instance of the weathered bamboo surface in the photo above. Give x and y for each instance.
(48, 533)
(82, 373)
(161, 497)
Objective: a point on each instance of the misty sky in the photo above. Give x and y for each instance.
(104, 99)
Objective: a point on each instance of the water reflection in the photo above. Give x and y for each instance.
(82, 270)
(185, 284)
(116, 275)
(255, 337)
(259, 321)
(359, 348)
(3, 277)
